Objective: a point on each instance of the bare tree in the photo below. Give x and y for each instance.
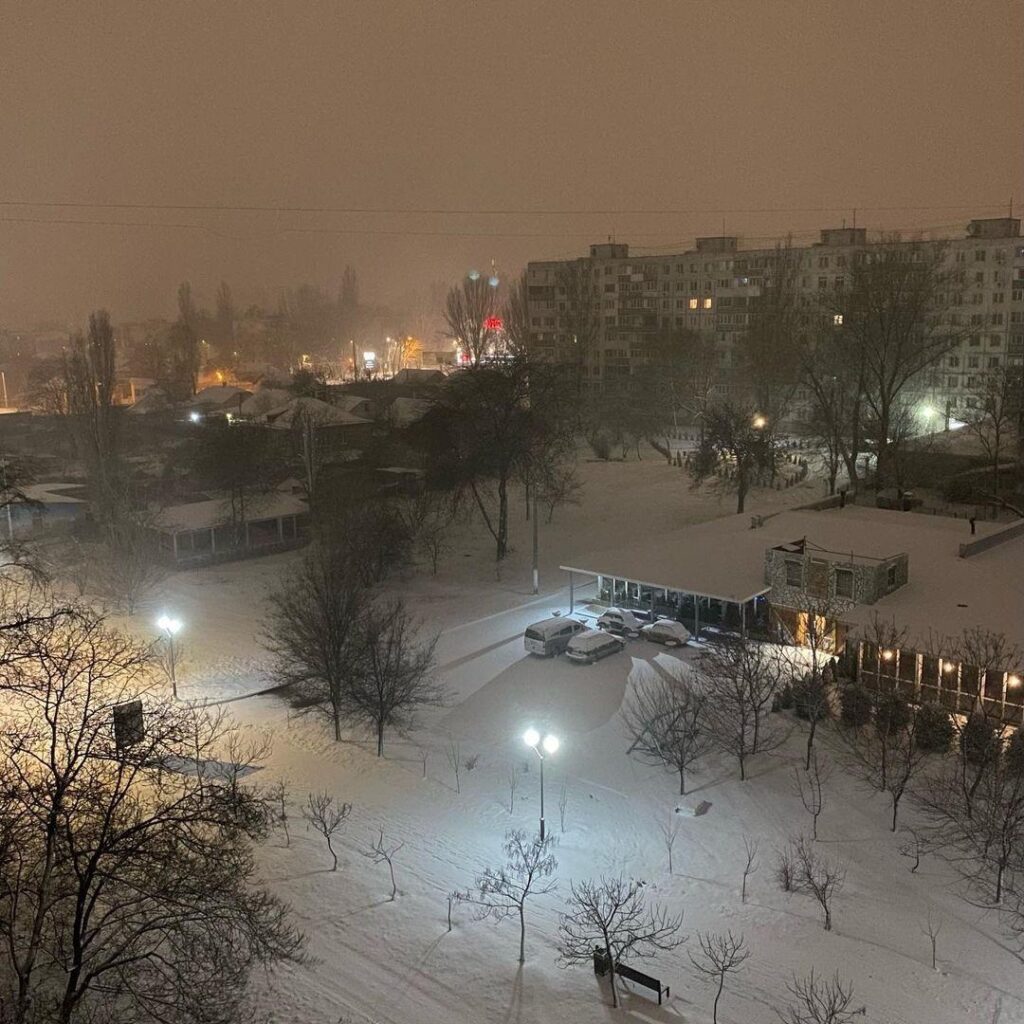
(786, 869)
(127, 891)
(327, 817)
(990, 414)
(741, 679)
(394, 680)
(931, 927)
(611, 914)
(502, 892)
(887, 756)
(893, 325)
(737, 442)
(383, 852)
(429, 517)
(915, 846)
(750, 865)
(810, 787)
(817, 876)
(453, 756)
(669, 833)
(312, 631)
(513, 785)
(469, 310)
(667, 721)
(980, 834)
(563, 802)
(820, 1002)
(278, 797)
(720, 956)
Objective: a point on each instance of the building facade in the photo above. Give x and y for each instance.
(626, 300)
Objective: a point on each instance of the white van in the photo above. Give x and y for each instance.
(551, 636)
(593, 644)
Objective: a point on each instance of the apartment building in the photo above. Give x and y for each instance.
(711, 289)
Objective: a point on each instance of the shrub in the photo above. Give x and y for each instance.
(958, 490)
(1015, 753)
(856, 705)
(601, 445)
(934, 728)
(784, 698)
(892, 713)
(978, 741)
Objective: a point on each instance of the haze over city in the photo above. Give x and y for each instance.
(762, 119)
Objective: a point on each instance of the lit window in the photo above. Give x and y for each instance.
(837, 320)
(707, 303)
(693, 303)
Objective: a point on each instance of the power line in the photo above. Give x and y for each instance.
(480, 211)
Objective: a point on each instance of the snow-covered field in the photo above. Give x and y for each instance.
(397, 963)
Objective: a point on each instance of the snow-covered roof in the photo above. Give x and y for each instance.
(218, 396)
(403, 412)
(322, 413)
(202, 515)
(413, 375)
(724, 559)
(262, 400)
(53, 494)
(352, 403)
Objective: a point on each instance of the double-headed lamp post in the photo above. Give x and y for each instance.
(170, 627)
(541, 747)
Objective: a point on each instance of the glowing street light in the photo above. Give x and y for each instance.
(170, 627)
(548, 745)
(194, 416)
(759, 422)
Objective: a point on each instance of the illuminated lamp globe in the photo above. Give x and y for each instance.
(531, 737)
(550, 744)
(493, 281)
(474, 275)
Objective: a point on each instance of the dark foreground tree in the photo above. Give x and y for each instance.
(126, 865)
(612, 915)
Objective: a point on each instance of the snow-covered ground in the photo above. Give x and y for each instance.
(397, 963)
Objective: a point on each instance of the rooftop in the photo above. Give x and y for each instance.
(204, 515)
(724, 559)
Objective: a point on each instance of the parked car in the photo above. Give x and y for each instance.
(622, 622)
(551, 636)
(667, 632)
(593, 644)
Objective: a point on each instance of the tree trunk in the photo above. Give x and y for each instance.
(682, 781)
(718, 995)
(380, 739)
(611, 974)
(522, 935)
(828, 918)
(810, 744)
(502, 537)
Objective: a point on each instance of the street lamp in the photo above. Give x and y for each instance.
(759, 422)
(170, 627)
(549, 745)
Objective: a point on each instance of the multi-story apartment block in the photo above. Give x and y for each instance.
(627, 300)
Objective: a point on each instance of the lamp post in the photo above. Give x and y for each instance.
(549, 745)
(170, 627)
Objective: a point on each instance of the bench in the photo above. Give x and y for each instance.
(602, 963)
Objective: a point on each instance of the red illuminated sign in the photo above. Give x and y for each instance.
(494, 323)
